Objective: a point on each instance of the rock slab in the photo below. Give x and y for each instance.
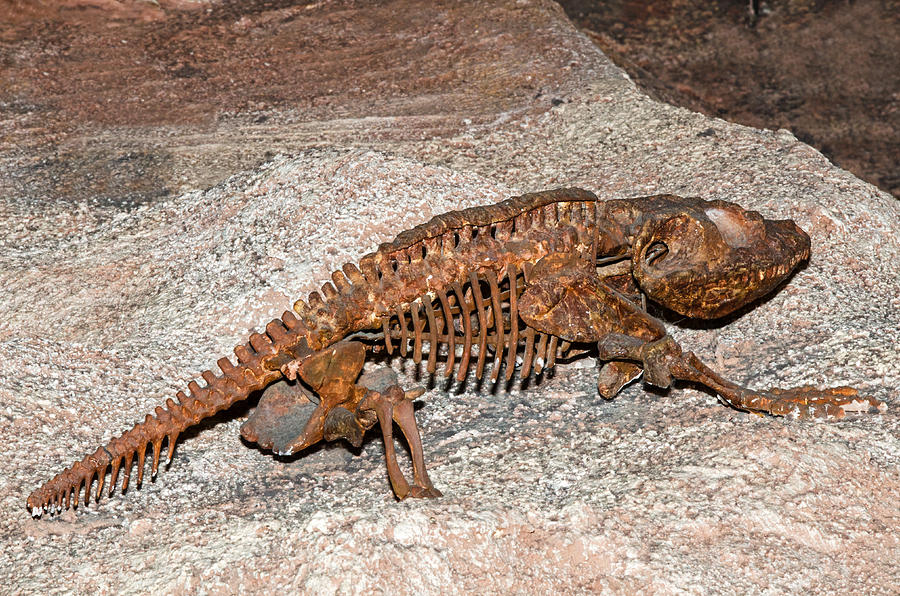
(111, 303)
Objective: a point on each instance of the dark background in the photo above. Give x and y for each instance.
(827, 70)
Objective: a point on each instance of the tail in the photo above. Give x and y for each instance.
(258, 365)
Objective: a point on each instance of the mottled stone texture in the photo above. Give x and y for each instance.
(128, 262)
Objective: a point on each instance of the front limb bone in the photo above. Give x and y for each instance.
(664, 360)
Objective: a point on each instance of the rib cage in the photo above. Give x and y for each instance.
(472, 324)
(432, 257)
(385, 292)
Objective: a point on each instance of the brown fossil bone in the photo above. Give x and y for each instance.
(528, 280)
(705, 260)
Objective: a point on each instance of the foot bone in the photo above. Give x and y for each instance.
(664, 360)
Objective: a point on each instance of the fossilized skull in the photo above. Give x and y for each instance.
(706, 259)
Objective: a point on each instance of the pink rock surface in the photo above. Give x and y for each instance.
(107, 311)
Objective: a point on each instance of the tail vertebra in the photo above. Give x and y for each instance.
(253, 372)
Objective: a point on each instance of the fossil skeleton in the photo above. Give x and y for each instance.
(519, 284)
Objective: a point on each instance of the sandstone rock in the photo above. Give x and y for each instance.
(109, 306)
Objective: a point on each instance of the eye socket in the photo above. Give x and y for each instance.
(655, 252)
